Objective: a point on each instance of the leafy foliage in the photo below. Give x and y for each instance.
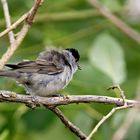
(111, 60)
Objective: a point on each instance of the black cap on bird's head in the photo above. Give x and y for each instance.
(75, 53)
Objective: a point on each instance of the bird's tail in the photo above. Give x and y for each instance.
(9, 73)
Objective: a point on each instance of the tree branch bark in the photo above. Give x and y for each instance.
(68, 124)
(52, 102)
(10, 51)
(8, 96)
(8, 20)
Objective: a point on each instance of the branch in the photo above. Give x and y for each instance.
(129, 119)
(105, 118)
(84, 14)
(10, 51)
(131, 116)
(116, 21)
(62, 100)
(8, 20)
(60, 16)
(52, 102)
(14, 25)
(29, 16)
(68, 124)
(33, 11)
(113, 110)
(21, 35)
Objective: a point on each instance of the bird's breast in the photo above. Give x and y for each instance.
(44, 84)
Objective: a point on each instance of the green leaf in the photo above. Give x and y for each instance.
(36, 120)
(107, 55)
(4, 135)
(112, 5)
(86, 120)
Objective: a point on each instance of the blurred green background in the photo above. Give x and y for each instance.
(108, 57)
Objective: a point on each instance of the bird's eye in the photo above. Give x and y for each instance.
(75, 53)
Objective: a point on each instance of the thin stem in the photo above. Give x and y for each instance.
(8, 20)
(68, 124)
(10, 51)
(14, 25)
(105, 118)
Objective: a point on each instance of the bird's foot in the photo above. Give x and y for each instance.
(34, 102)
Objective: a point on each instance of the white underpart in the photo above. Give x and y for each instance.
(50, 84)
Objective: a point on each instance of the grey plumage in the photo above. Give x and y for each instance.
(48, 74)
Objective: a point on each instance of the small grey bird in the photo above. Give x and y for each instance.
(49, 73)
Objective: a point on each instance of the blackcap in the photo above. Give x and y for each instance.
(49, 73)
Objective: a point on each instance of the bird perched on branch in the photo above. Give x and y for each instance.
(49, 73)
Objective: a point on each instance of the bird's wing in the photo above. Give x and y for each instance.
(38, 66)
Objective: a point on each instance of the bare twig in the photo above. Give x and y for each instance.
(10, 51)
(29, 16)
(8, 21)
(128, 121)
(60, 16)
(52, 102)
(53, 17)
(14, 25)
(33, 11)
(68, 124)
(125, 105)
(64, 100)
(21, 35)
(105, 118)
(121, 92)
(116, 21)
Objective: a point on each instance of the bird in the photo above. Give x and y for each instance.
(48, 74)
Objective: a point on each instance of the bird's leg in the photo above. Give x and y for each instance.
(34, 102)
